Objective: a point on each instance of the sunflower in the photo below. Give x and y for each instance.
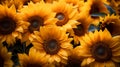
(81, 29)
(66, 14)
(33, 59)
(11, 26)
(97, 50)
(5, 57)
(92, 7)
(54, 43)
(112, 23)
(36, 15)
(97, 6)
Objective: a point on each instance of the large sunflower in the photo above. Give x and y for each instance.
(66, 14)
(54, 43)
(97, 50)
(112, 23)
(36, 15)
(10, 25)
(5, 57)
(33, 59)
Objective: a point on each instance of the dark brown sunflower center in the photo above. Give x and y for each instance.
(35, 23)
(33, 65)
(110, 27)
(52, 47)
(117, 0)
(94, 9)
(1, 62)
(85, 0)
(73, 62)
(101, 52)
(7, 25)
(79, 31)
(62, 19)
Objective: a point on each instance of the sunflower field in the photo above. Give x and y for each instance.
(59, 33)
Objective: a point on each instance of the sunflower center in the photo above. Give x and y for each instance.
(52, 47)
(33, 65)
(1, 62)
(110, 27)
(101, 52)
(94, 9)
(79, 31)
(117, 0)
(85, 0)
(35, 23)
(60, 16)
(7, 25)
(62, 19)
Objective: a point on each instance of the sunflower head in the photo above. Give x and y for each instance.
(92, 7)
(65, 13)
(5, 57)
(97, 49)
(98, 6)
(10, 25)
(112, 23)
(54, 43)
(33, 59)
(81, 29)
(36, 17)
(42, 16)
(60, 15)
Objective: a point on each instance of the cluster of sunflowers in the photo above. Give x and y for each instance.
(59, 33)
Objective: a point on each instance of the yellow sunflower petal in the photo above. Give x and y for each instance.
(116, 59)
(109, 64)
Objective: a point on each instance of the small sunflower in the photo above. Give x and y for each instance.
(81, 29)
(11, 26)
(66, 14)
(112, 23)
(54, 43)
(34, 59)
(93, 7)
(97, 6)
(5, 57)
(36, 15)
(97, 50)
